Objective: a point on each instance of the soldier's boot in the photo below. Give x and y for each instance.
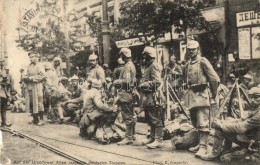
(194, 149)
(3, 116)
(214, 148)
(158, 139)
(35, 119)
(202, 144)
(40, 123)
(133, 131)
(128, 136)
(83, 132)
(151, 138)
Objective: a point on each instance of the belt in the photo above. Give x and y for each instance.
(198, 87)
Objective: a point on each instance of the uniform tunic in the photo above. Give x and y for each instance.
(97, 73)
(34, 94)
(199, 72)
(128, 74)
(93, 106)
(152, 76)
(117, 71)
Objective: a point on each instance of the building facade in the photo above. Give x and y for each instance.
(244, 33)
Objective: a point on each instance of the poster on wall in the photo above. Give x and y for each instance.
(255, 42)
(244, 43)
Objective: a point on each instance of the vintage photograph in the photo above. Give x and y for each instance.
(130, 82)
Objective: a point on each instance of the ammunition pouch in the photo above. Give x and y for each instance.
(198, 87)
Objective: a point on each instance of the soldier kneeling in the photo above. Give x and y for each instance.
(95, 111)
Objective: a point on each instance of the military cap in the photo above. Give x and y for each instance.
(120, 61)
(254, 91)
(150, 51)
(126, 51)
(6, 68)
(192, 44)
(95, 83)
(74, 77)
(92, 56)
(57, 59)
(248, 76)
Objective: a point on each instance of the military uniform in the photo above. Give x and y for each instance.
(117, 71)
(198, 73)
(34, 94)
(150, 98)
(151, 76)
(97, 73)
(71, 106)
(94, 109)
(128, 77)
(5, 88)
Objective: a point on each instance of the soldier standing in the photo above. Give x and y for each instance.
(198, 73)
(117, 70)
(149, 87)
(34, 95)
(5, 88)
(95, 71)
(9, 77)
(127, 79)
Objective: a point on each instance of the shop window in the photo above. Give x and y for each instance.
(249, 42)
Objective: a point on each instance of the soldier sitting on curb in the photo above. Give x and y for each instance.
(245, 132)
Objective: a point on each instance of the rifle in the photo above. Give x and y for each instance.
(177, 99)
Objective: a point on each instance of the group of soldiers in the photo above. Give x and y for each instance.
(86, 103)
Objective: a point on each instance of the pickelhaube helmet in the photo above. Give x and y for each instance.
(74, 77)
(93, 56)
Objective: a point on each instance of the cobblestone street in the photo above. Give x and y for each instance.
(22, 151)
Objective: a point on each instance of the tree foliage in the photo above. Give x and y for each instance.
(156, 17)
(46, 35)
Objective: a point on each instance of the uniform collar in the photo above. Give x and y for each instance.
(195, 60)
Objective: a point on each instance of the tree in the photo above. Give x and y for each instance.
(95, 24)
(46, 35)
(157, 17)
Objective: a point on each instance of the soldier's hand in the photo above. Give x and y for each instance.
(114, 109)
(216, 123)
(213, 104)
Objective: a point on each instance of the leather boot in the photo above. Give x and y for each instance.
(158, 139)
(151, 138)
(194, 149)
(40, 123)
(215, 142)
(128, 136)
(35, 119)
(203, 144)
(3, 116)
(133, 131)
